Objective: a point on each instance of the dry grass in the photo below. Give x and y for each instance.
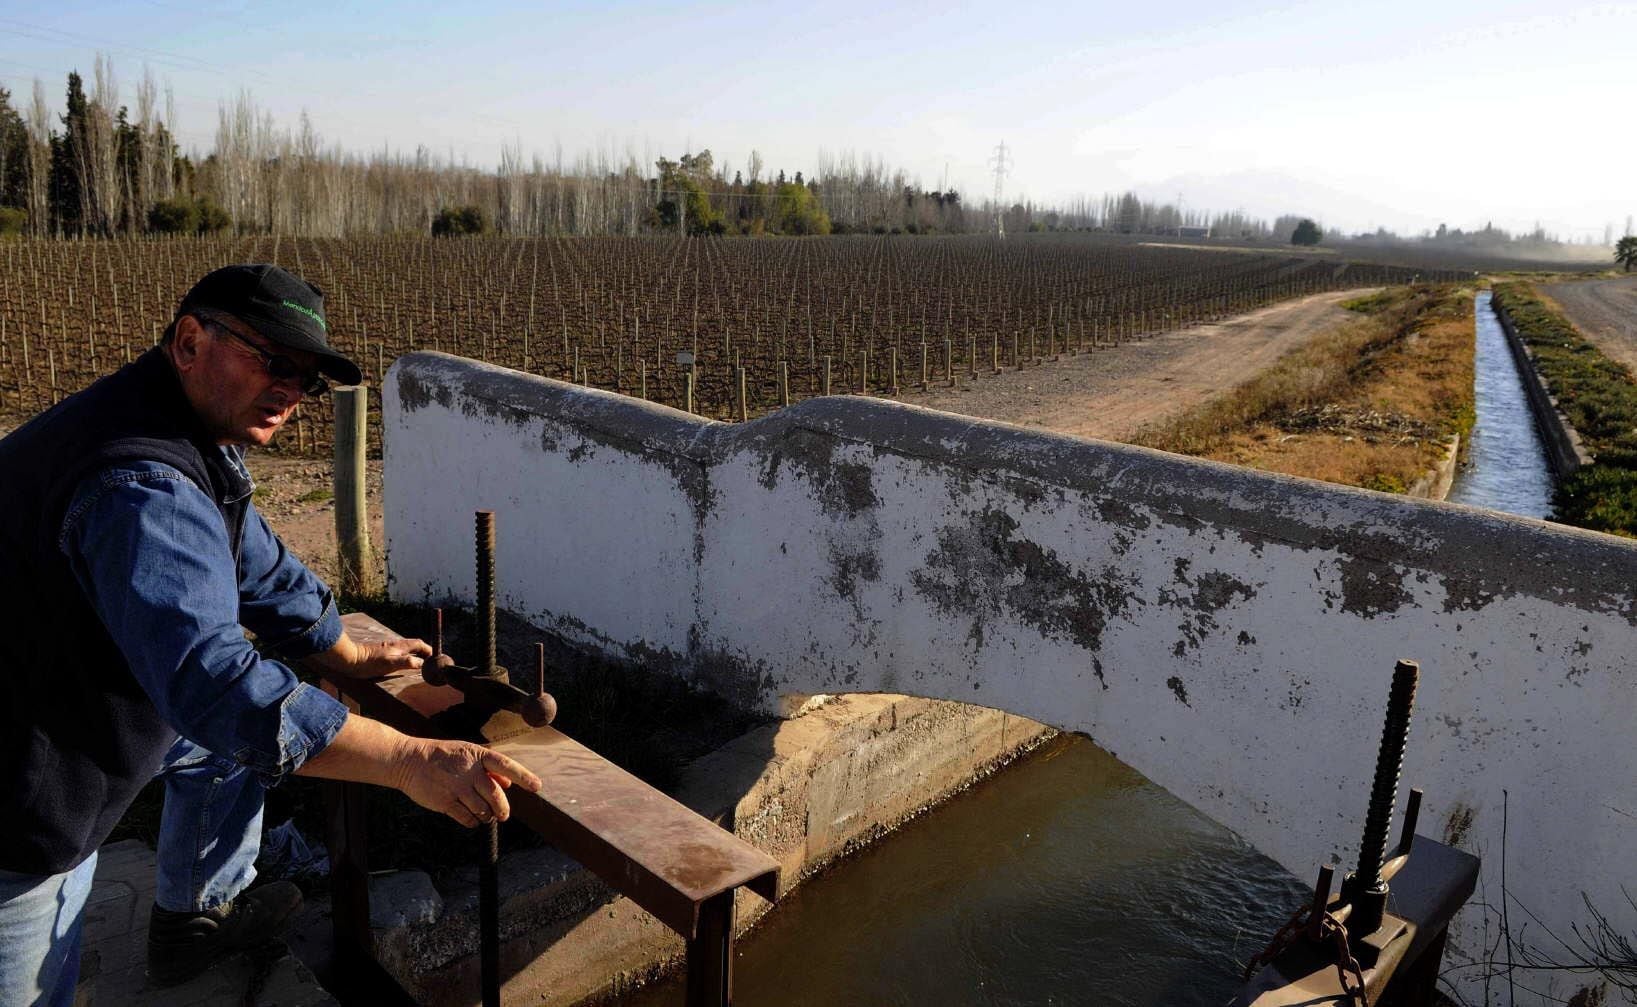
(1371, 403)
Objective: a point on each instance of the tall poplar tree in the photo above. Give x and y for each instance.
(13, 155)
(70, 200)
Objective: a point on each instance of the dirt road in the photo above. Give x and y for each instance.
(1605, 311)
(1110, 393)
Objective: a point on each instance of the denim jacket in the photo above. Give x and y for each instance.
(149, 549)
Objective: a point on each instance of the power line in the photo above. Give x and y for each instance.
(176, 61)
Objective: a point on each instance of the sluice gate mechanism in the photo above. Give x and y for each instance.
(674, 863)
(1378, 942)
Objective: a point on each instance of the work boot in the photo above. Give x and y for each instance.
(183, 944)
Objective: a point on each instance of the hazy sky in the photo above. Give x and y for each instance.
(1396, 114)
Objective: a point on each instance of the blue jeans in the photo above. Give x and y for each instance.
(209, 835)
(210, 831)
(40, 922)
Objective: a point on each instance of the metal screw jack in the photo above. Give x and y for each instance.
(1366, 889)
(489, 851)
(486, 594)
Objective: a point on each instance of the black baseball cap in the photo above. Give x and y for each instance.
(280, 306)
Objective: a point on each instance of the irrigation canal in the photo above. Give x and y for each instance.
(1066, 879)
(1069, 878)
(1506, 466)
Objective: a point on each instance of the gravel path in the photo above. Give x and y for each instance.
(1605, 311)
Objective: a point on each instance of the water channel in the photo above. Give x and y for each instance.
(1506, 466)
(1066, 879)
(1069, 878)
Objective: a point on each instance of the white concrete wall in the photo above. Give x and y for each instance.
(1229, 634)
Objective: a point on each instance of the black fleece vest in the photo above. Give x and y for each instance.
(78, 736)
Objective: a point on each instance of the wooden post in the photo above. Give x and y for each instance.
(356, 560)
(688, 380)
(744, 403)
(784, 383)
(923, 366)
(892, 383)
(949, 363)
(642, 376)
(826, 374)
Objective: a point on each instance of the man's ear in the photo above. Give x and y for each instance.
(187, 344)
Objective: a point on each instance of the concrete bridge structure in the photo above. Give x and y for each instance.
(1228, 633)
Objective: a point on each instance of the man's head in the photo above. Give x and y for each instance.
(247, 342)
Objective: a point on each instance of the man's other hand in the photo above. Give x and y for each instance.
(373, 660)
(457, 778)
(464, 781)
(377, 660)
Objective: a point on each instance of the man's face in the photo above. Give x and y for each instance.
(228, 382)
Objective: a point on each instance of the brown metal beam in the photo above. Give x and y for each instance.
(659, 853)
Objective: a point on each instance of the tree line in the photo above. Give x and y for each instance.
(102, 168)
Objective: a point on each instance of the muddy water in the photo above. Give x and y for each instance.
(1507, 468)
(1067, 879)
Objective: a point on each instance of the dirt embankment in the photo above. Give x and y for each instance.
(1110, 393)
(1605, 311)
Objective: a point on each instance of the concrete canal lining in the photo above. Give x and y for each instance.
(1228, 633)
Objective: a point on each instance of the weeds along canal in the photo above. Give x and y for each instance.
(1506, 468)
(1066, 879)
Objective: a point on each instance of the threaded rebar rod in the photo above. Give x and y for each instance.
(1395, 735)
(486, 591)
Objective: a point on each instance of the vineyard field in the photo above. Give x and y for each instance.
(763, 321)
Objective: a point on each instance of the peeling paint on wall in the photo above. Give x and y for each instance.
(982, 570)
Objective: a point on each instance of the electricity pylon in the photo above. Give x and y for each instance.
(1001, 165)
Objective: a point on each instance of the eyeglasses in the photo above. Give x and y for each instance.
(279, 366)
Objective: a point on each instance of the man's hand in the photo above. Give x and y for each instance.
(456, 778)
(464, 781)
(372, 660)
(377, 660)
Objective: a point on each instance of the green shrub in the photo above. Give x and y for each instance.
(181, 215)
(798, 211)
(212, 217)
(177, 215)
(13, 220)
(453, 221)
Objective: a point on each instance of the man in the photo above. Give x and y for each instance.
(131, 561)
